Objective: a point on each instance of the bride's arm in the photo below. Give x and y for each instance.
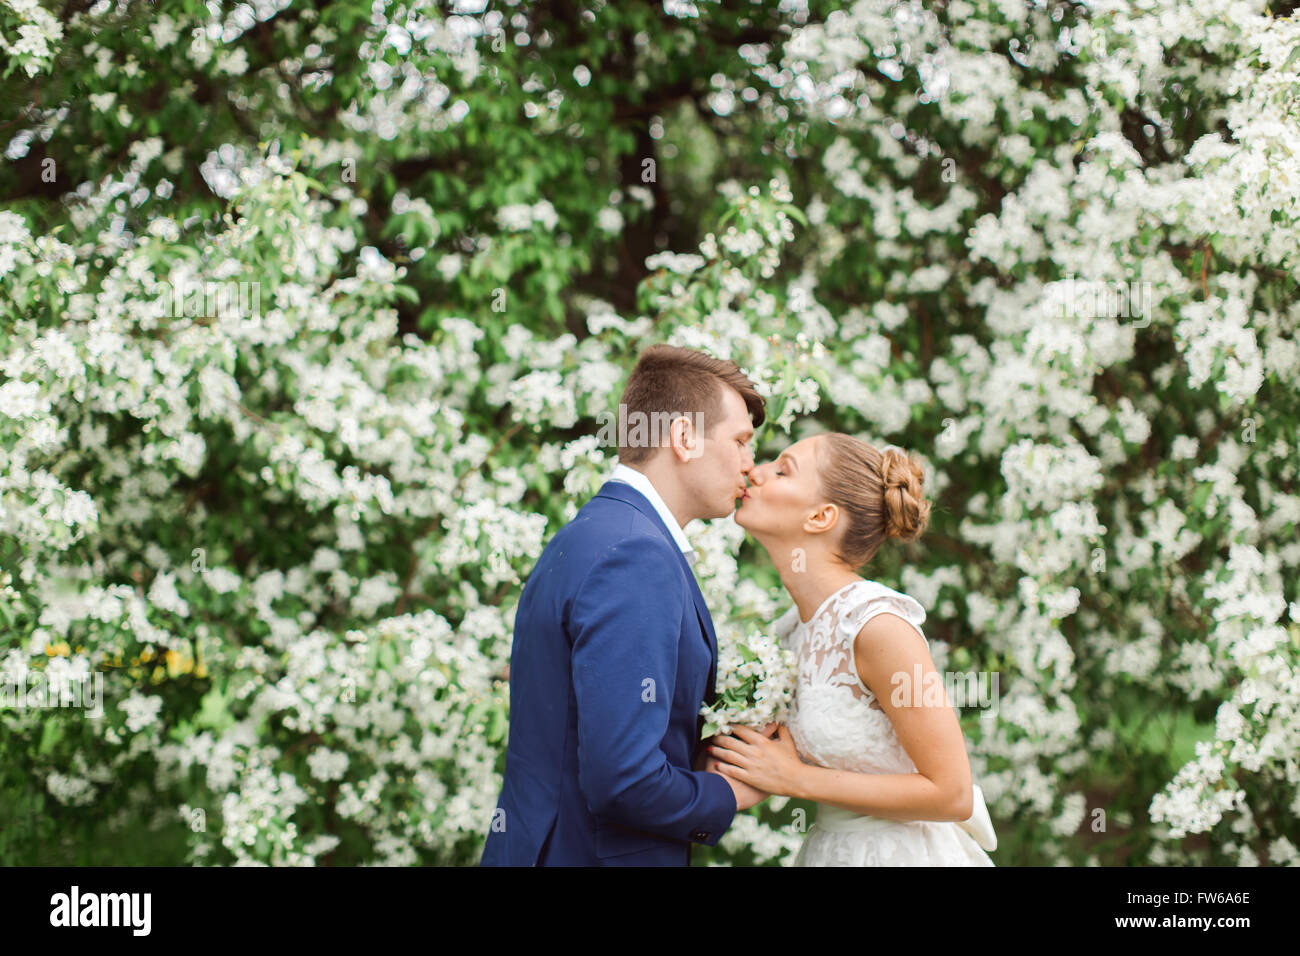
(889, 653)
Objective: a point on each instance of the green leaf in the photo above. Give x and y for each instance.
(51, 734)
(214, 711)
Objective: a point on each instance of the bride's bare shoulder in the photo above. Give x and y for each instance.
(886, 649)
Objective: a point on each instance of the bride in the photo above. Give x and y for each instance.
(889, 775)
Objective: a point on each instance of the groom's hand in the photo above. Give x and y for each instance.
(746, 796)
(702, 759)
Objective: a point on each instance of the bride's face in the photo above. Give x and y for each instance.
(782, 493)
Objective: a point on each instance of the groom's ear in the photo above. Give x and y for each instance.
(685, 439)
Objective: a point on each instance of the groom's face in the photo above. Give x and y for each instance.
(719, 476)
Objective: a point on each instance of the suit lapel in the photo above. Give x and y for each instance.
(706, 624)
(622, 491)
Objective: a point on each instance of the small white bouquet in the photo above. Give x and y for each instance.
(755, 685)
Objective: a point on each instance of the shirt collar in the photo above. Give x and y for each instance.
(641, 483)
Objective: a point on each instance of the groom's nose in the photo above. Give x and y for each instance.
(747, 462)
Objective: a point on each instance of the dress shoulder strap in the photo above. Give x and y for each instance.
(864, 601)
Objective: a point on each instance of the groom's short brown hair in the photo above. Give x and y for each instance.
(672, 380)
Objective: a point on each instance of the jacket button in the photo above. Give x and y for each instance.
(700, 836)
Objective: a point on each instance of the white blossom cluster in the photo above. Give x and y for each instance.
(29, 34)
(755, 682)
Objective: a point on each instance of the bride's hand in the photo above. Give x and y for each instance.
(704, 759)
(750, 757)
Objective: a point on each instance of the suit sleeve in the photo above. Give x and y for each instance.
(626, 629)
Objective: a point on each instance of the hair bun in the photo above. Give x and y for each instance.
(907, 512)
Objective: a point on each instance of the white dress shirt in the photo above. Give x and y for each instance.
(641, 483)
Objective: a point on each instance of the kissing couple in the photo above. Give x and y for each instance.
(614, 653)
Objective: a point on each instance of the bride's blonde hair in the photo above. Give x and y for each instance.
(880, 493)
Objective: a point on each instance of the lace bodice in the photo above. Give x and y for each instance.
(834, 724)
(835, 719)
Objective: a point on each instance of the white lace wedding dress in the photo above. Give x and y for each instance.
(836, 722)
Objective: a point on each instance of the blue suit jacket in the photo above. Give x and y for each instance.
(613, 653)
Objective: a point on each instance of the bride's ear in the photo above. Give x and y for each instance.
(823, 519)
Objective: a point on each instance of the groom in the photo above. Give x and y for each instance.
(614, 650)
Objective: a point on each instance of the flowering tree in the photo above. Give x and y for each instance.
(311, 312)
